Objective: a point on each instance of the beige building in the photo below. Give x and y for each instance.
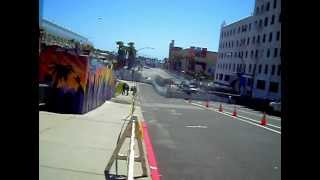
(249, 55)
(192, 60)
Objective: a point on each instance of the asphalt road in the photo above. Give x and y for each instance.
(192, 142)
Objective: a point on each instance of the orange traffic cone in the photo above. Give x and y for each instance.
(220, 108)
(234, 113)
(263, 120)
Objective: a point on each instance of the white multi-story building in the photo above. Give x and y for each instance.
(249, 55)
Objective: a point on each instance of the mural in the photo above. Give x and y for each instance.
(78, 83)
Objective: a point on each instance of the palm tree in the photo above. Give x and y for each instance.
(131, 52)
(121, 53)
(60, 72)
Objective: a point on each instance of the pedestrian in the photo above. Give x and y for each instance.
(134, 90)
(230, 99)
(127, 89)
(123, 88)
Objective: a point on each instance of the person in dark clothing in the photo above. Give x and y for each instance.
(134, 90)
(123, 88)
(127, 89)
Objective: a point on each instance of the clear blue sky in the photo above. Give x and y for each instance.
(147, 22)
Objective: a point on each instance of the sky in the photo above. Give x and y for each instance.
(148, 23)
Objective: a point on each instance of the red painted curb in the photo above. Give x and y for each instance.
(154, 170)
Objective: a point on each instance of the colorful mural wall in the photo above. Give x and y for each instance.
(78, 83)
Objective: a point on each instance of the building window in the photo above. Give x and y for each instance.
(258, 39)
(248, 40)
(226, 77)
(255, 24)
(231, 43)
(251, 54)
(256, 55)
(260, 68)
(268, 6)
(279, 70)
(272, 19)
(253, 39)
(264, 38)
(254, 68)
(275, 52)
(268, 53)
(237, 43)
(274, 4)
(249, 26)
(274, 86)
(260, 23)
(249, 82)
(270, 36)
(250, 66)
(234, 67)
(229, 67)
(221, 76)
(262, 8)
(244, 68)
(266, 69)
(246, 54)
(261, 84)
(278, 35)
(265, 21)
(261, 52)
(273, 69)
(238, 30)
(257, 10)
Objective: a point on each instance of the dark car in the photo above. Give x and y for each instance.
(189, 87)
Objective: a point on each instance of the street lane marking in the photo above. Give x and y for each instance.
(255, 124)
(257, 114)
(239, 110)
(249, 122)
(197, 126)
(259, 122)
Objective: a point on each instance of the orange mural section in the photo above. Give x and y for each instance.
(78, 83)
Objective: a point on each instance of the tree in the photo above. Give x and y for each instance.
(121, 53)
(131, 51)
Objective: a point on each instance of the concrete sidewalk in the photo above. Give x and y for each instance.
(79, 146)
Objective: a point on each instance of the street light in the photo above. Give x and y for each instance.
(144, 48)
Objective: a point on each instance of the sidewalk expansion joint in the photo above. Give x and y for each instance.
(71, 170)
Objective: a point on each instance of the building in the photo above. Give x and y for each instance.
(53, 34)
(192, 60)
(249, 55)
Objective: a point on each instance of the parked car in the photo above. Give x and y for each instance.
(276, 106)
(188, 87)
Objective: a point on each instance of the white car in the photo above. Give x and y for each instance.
(276, 106)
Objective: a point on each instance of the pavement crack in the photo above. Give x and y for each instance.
(72, 170)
